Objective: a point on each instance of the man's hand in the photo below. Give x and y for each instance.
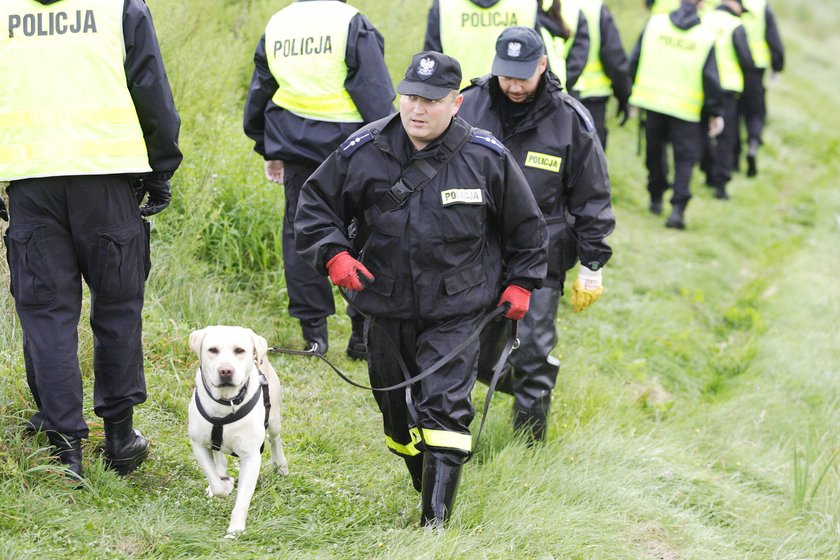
(518, 298)
(4, 214)
(274, 170)
(344, 272)
(715, 126)
(159, 191)
(587, 288)
(623, 113)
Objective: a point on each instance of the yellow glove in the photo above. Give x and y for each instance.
(587, 288)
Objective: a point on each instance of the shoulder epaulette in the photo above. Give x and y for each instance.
(486, 139)
(581, 111)
(362, 137)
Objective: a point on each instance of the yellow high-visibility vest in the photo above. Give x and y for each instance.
(724, 24)
(66, 109)
(664, 7)
(469, 32)
(305, 45)
(669, 79)
(556, 48)
(755, 24)
(593, 82)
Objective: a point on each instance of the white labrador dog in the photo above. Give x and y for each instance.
(226, 385)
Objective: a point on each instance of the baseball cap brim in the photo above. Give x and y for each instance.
(423, 90)
(519, 69)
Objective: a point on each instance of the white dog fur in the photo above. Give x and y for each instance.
(242, 353)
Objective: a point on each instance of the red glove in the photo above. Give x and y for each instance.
(518, 299)
(343, 270)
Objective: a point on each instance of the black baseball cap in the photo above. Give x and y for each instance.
(518, 53)
(432, 75)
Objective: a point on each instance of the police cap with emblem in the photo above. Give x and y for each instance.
(518, 52)
(432, 75)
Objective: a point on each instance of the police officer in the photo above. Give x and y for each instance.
(606, 69)
(675, 77)
(87, 109)
(732, 52)
(662, 6)
(768, 52)
(447, 229)
(552, 139)
(319, 74)
(565, 31)
(467, 29)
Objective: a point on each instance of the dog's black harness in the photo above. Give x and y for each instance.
(237, 414)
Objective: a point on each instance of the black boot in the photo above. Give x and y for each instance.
(315, 334)
(68, 449)
(125, 447)
(415, 469)
(720, 192)
(356, 348)
(677, 219)
(752, 152)
(531, 424)
(440, 485)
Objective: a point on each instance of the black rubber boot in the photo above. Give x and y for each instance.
(356, 348)
(720, 192)
(415, 469)
(125, 447)
(752, 152)
(440, 485)
(531, 424)
(315, 334)
(677, 218)
(655, 207)
(68, 450)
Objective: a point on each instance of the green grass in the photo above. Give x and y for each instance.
(697, 415)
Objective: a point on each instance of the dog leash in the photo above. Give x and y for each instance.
(511, 344)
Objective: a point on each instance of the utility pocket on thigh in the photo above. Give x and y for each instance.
(121, 262)
(30, 278)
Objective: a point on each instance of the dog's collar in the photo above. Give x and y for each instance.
(216, 434)
(235, 401)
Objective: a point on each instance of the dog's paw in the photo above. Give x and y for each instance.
(222, 490)
(282, 468)
(234, 530)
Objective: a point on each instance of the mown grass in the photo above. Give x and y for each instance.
(697, 412)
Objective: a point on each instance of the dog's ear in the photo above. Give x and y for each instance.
(260, 346)
(196, 338)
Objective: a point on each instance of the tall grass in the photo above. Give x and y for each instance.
(696, 413)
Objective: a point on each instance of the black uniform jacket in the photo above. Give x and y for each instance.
(432, 259)
(150, 90)
(279, 134)
(574, 198)
(612, 56)
(685, 18)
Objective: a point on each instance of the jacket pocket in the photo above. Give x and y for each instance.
(562, 247)
(31, 279)
(121, 266)
(460, 280)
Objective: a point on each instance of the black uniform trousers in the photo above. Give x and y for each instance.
(64, 229)
(753, 106)
(597, 107)
(442, 400)
(530, 373)
(686, 139)
(310, 294)
(719, 153)
(752, 109)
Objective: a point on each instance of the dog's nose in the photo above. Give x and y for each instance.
(225, 373)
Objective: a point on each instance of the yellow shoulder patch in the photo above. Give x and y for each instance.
(543, 161)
